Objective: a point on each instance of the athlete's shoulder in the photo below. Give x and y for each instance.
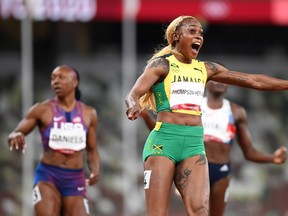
(88, 110)
(234, 105)
(40, 105)
(159, 66)
(238, 111)
(160, 59)
(39, 109)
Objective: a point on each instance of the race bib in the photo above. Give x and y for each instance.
(68, 136)
(186, 96)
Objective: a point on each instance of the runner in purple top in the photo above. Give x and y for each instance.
(68, 129)
(59, 119)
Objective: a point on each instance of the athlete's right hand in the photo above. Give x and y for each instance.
(132, 114)
(16, 140)
(133, 109)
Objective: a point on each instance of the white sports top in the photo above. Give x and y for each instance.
(219, 124)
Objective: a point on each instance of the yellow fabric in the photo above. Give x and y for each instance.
(188, 75)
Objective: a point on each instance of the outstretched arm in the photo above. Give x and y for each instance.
(16, 139)
(93, 160)
(262, 82)
(245, 142)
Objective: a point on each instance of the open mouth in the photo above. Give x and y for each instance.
(196, 47)
(56, 89)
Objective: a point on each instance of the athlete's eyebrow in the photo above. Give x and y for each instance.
(193, 25)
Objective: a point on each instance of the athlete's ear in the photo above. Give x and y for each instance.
(175, 36)
(75, 83)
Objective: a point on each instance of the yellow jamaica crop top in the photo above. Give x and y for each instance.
(183, 88)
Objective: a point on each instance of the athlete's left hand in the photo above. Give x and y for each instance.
(280, 155)
(93, 179)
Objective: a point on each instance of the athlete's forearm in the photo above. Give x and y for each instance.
(258, 157)
(93, 161)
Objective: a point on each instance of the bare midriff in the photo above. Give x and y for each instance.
(179, 118)
(217, 152)
(72, 161)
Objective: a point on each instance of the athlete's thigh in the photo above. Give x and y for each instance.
(75, 206)
(46, 199)
(218, 196)
(192, 181)
(158, 178)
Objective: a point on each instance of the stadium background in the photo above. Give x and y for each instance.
(248, 36)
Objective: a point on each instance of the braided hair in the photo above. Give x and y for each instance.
(77, 90)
